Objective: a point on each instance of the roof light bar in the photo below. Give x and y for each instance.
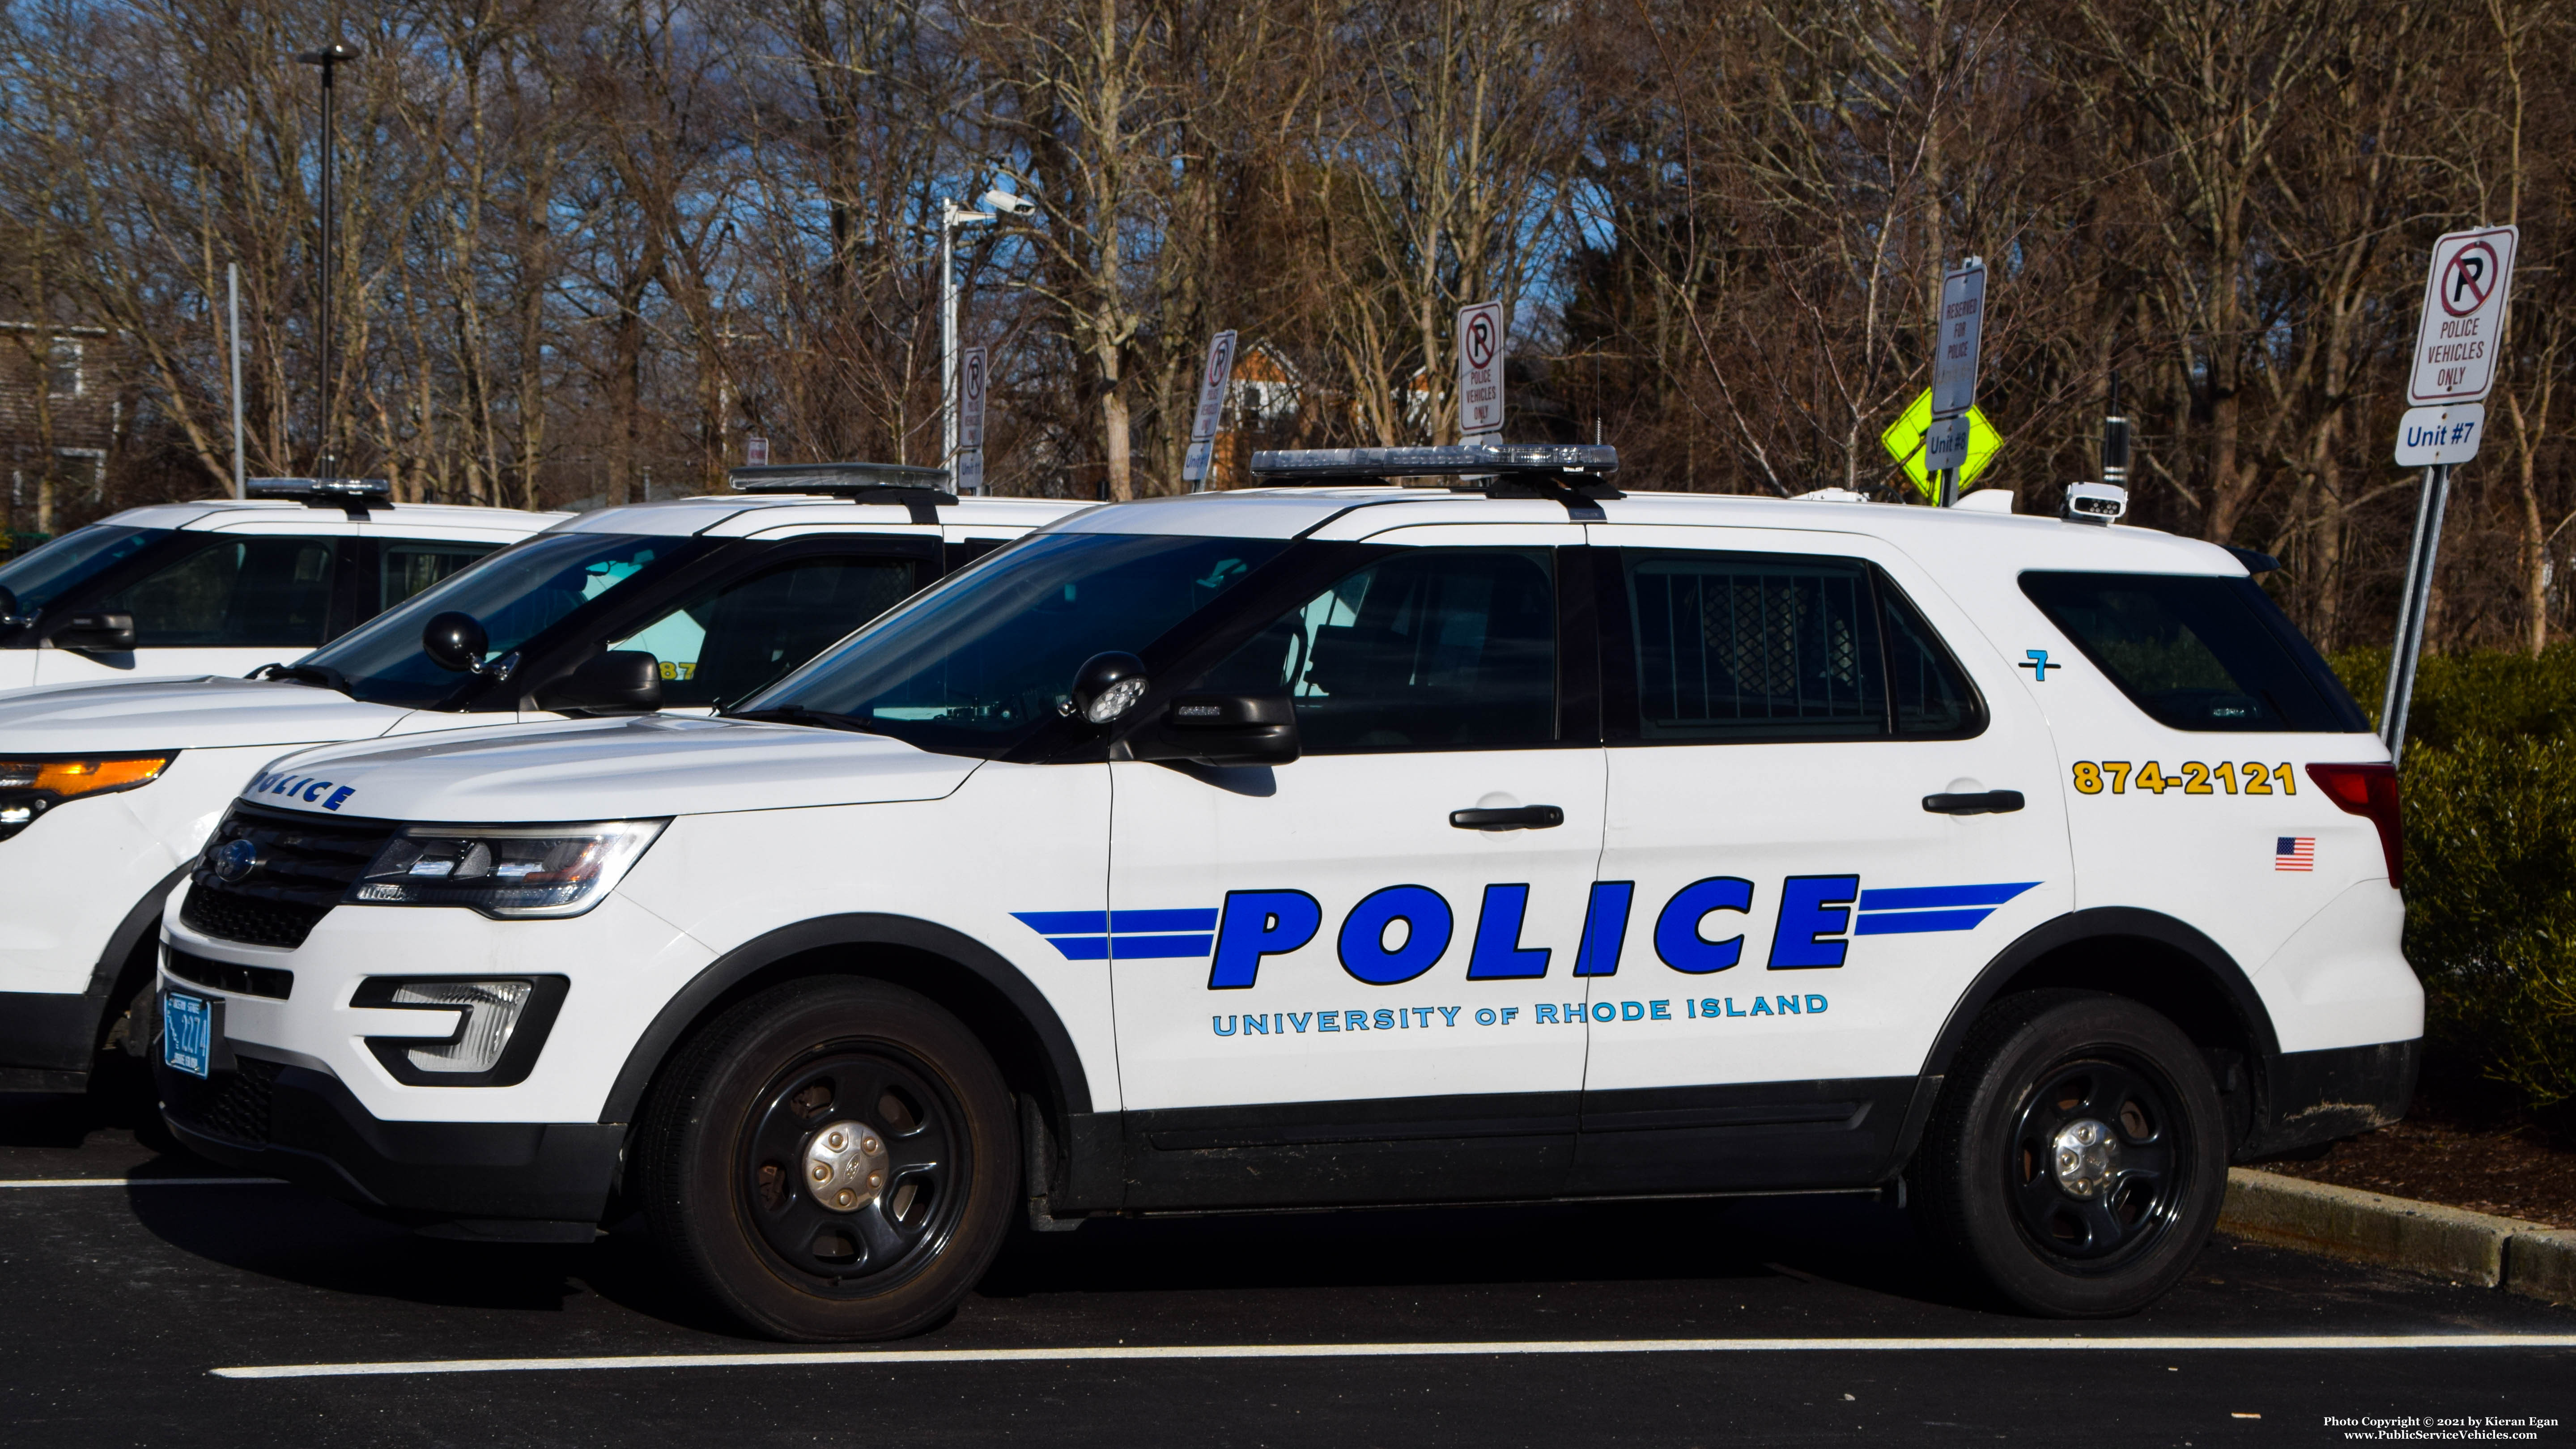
(842, 480)
(1458, 460)
(354, 495)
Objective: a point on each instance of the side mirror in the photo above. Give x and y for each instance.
(1222, 729)
(618, 679)
(99, 633)
(1107, 686)
(455, 641)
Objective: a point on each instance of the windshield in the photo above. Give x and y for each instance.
(82, 554)
(982, 662)
(515, 595)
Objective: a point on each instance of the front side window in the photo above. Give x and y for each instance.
(235, 592)
(1426, 649)
(515, 595)
(2197, 651)
(729, 642)
(46, 574)
(1747, 647)
(985, 660)
(407, 566)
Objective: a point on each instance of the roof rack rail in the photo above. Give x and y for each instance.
(353, 496)
(1574, 474)
(920, 491)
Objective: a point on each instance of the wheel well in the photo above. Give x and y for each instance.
(2153, 974)
(1028, 1043)
(960, 992)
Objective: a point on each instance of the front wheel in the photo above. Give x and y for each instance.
(2075, 1158)
(831, 1159)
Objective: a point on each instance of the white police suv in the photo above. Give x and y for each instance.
(108, 792)
(1337, 845)
(223, 586)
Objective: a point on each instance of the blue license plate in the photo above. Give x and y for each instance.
(187, 1033)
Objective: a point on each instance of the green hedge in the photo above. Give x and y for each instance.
(2490, 790)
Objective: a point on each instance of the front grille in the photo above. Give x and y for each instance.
(232, 1106)
(225, 976)
(305, 866)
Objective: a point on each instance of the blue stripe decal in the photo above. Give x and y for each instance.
(1064, 923)
(1081, 948)
(1916, 898)
(1125, 921)
(1907, 923)
(1162, 948)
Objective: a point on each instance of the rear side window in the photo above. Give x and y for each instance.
(1747, 647)
(238, 592)
(2197, 651)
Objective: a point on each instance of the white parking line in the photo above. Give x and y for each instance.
(894, 1357)
(133, 1181)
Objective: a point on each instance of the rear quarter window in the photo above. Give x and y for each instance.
(2198, 651)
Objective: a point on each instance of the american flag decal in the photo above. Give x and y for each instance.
(2295, 852)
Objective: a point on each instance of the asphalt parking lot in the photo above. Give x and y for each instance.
(129, 1287)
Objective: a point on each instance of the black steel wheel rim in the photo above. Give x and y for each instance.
(2115, 1206)
(911, 1216)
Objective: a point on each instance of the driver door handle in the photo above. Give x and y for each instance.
(1990, 802)
(1519, 817)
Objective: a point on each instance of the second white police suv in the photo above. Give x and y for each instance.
(1352, 844)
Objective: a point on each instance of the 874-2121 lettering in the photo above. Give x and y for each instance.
(2194, 778)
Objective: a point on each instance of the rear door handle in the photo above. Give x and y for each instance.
(1990, 802)
(1519, 817)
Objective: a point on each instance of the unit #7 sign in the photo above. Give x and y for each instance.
(2462, 331)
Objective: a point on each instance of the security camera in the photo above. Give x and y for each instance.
(1005, 203)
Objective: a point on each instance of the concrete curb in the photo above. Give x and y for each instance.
(2398, 1232)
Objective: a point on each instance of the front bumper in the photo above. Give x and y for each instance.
(484, 1179)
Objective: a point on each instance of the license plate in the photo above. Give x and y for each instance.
(187, 1033)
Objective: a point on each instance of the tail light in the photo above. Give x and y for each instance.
(2369, 791)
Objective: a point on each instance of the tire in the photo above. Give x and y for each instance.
(747, 1115)
(2127, 1094)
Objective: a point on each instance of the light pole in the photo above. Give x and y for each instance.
(951, 218)
(330, 58)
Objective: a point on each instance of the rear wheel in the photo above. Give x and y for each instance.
(2075, 1158)
(831, 1159)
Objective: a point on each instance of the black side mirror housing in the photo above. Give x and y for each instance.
(454, 640)
(620, 679)
(1222, 729)
(97, 633)
(1107, 686)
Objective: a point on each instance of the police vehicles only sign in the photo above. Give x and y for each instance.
(1954, 364)
(1480, 372)
(2462, 329)
(1212, 384)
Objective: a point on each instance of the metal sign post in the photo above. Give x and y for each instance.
(2459, 335)
(967, 471)
(1213, 379)
(1954, 373)
(1480, 373)
(330, 58)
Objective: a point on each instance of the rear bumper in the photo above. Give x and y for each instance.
(495, 1179)
(2312, 1097)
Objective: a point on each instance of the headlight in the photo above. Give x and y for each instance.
(32, 785)
(505, 870)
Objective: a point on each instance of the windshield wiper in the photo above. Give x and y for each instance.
(798, 714)
(321, 674)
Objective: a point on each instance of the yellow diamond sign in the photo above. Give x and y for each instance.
(1904, 442)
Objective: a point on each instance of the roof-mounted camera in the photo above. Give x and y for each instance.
(919, 491)
(1574, 474)
(2102, 504)
(353, 496)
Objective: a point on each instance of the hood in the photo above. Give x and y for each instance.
(179, 714)
(606, 769)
